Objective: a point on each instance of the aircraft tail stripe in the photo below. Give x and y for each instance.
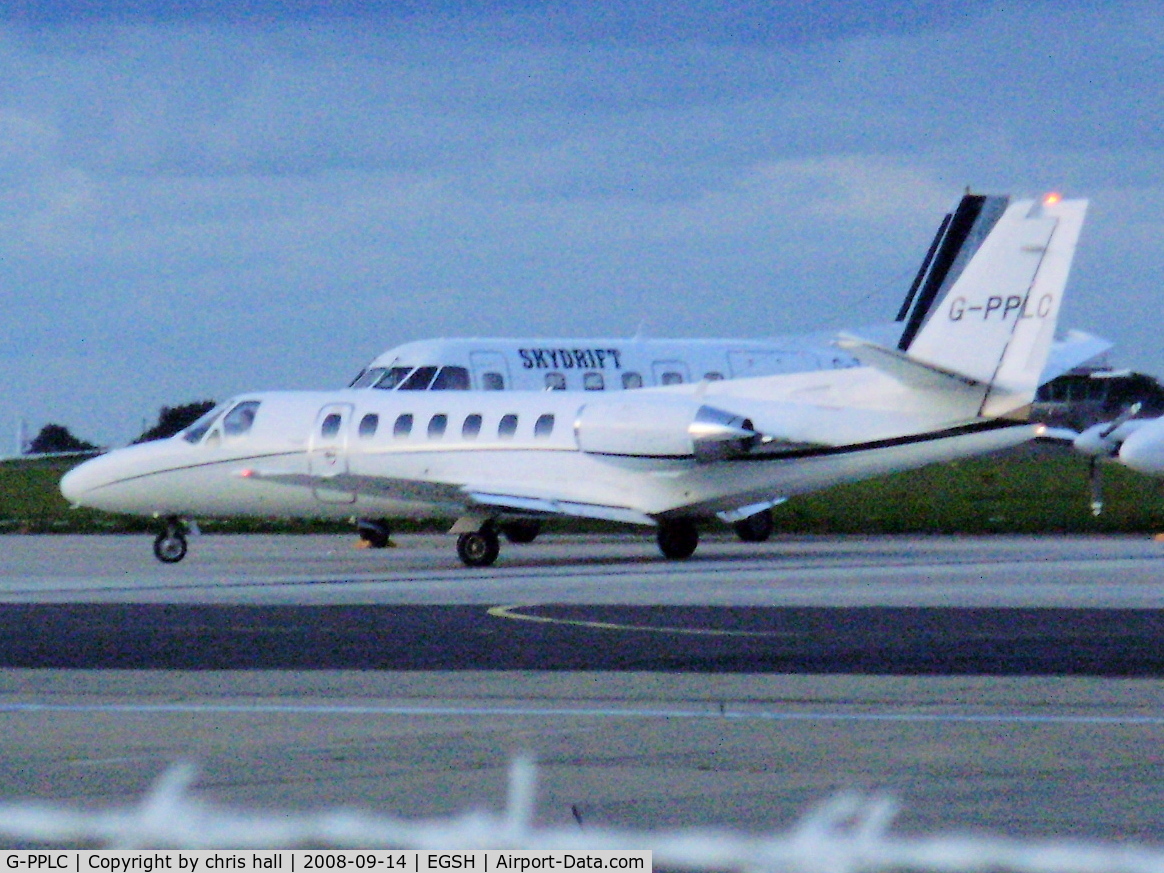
(925, 266)
(957, 233)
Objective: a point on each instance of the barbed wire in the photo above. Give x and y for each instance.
(848, 834)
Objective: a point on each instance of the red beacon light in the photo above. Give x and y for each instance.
(1052, 198)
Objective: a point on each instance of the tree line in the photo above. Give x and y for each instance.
(171, 420)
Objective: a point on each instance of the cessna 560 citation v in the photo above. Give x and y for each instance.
(957, 385)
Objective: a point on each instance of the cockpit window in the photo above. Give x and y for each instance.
(419, 379)
(367, 378)
(239, 420)
(451, 379)
(198, 429)
(389, 379)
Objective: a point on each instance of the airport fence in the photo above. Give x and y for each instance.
(849, 834)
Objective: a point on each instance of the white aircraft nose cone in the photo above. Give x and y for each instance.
(80, 480)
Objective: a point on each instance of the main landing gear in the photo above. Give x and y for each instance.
(480, 548)
(170, 544)
(678, 538)
(375, 532)
(755, 528)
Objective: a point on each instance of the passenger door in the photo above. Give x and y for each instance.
(327, 454)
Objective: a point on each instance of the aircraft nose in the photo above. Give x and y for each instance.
(81, 480)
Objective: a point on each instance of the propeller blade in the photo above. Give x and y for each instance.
(1120, 420)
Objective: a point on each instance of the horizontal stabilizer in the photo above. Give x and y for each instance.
(901, 367)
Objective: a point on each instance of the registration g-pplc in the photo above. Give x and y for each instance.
(39, 861)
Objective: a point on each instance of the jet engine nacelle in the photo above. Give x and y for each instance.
(659, 427)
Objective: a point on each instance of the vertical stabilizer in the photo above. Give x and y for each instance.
(997, 320)
(958, 239)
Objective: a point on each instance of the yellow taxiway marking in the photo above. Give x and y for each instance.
(509, 612)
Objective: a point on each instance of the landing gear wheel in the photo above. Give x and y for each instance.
(170, 544)
(521, 531)
(375, 532)
(755, 528)
(478, 548)
(678, 539)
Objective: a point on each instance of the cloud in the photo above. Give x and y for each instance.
(195, 202)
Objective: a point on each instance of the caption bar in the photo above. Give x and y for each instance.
(301, 861)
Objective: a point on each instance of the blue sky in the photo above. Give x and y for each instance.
(202, 198)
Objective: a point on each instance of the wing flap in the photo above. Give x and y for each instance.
(550, 506)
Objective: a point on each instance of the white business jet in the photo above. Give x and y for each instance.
(667, 457)
(618, 364)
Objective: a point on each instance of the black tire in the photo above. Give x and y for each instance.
(755, 528)
(478, 548)
(170, 546)
(678, 539)
(375, 533)
(521, 531)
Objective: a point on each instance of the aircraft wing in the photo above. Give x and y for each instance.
(537, 505)
(451, 496)
(397, 488)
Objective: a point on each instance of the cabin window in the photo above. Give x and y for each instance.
(368, 425)
(419, 379)
(437, 425)
(451, 379)
(713, 376)
(631, 379)
(330, 427)
(389, 379)
(471, 427)
(555, 382)
(403, 426)
(593, 382)
(507, 427)
(672, 377)
(492, 382)
(544, 426)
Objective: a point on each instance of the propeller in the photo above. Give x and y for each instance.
(1097, 442)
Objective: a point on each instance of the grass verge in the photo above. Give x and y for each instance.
(1031, 490)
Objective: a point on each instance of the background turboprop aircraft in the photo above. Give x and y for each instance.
(601, 364)
(1137, 443)
(957, 384)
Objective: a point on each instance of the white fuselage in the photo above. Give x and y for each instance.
(627, 457)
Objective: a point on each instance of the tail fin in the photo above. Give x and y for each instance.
(958, 239)
(996, 322)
